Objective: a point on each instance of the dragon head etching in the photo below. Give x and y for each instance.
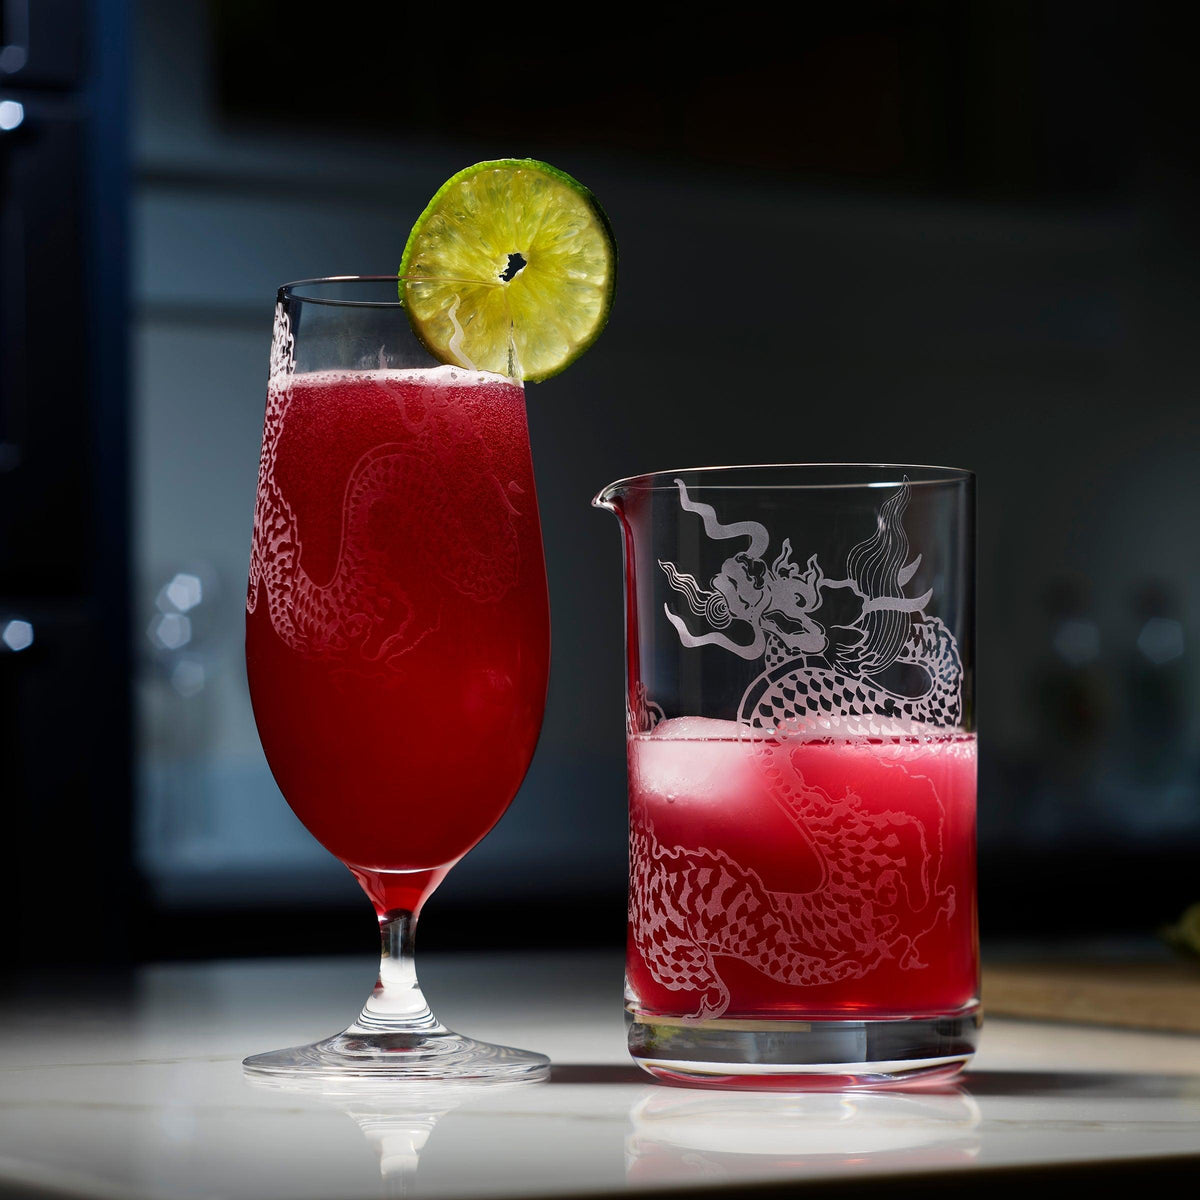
(858, 623)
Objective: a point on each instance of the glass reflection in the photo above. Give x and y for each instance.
(395, 1122)
(397, 1131)
(711, 1137)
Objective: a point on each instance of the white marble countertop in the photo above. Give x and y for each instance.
(142, 1095)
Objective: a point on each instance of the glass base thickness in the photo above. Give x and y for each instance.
(401, 1057)
(803, 1055)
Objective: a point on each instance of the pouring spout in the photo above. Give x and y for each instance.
(614, 495)
(610, 497)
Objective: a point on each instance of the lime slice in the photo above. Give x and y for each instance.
(510, 269)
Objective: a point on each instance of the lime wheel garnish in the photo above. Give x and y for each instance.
(510, 269)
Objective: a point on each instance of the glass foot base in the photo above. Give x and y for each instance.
(803, 1055)
(401, 1057)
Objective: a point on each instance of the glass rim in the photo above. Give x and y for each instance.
(874, 475)
(288, 291)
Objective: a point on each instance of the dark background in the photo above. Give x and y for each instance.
(948, 233)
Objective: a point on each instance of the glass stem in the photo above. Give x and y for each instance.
(397, 1004)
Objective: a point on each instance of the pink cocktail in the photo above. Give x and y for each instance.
(801, 742)
(803, 876)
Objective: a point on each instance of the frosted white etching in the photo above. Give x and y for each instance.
(828, 644)
(373, 609)
(641, 714)
(843, 656)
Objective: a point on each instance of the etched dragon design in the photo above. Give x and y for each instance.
(368, 612)
(850, 656)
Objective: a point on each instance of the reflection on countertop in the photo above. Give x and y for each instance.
(680, 1136)
(142, 1095)
(395, 1123)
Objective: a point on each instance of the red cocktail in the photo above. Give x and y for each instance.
(398, 628)
(397, 636)
(397, 639)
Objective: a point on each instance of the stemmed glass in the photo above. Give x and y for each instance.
(397, 634)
